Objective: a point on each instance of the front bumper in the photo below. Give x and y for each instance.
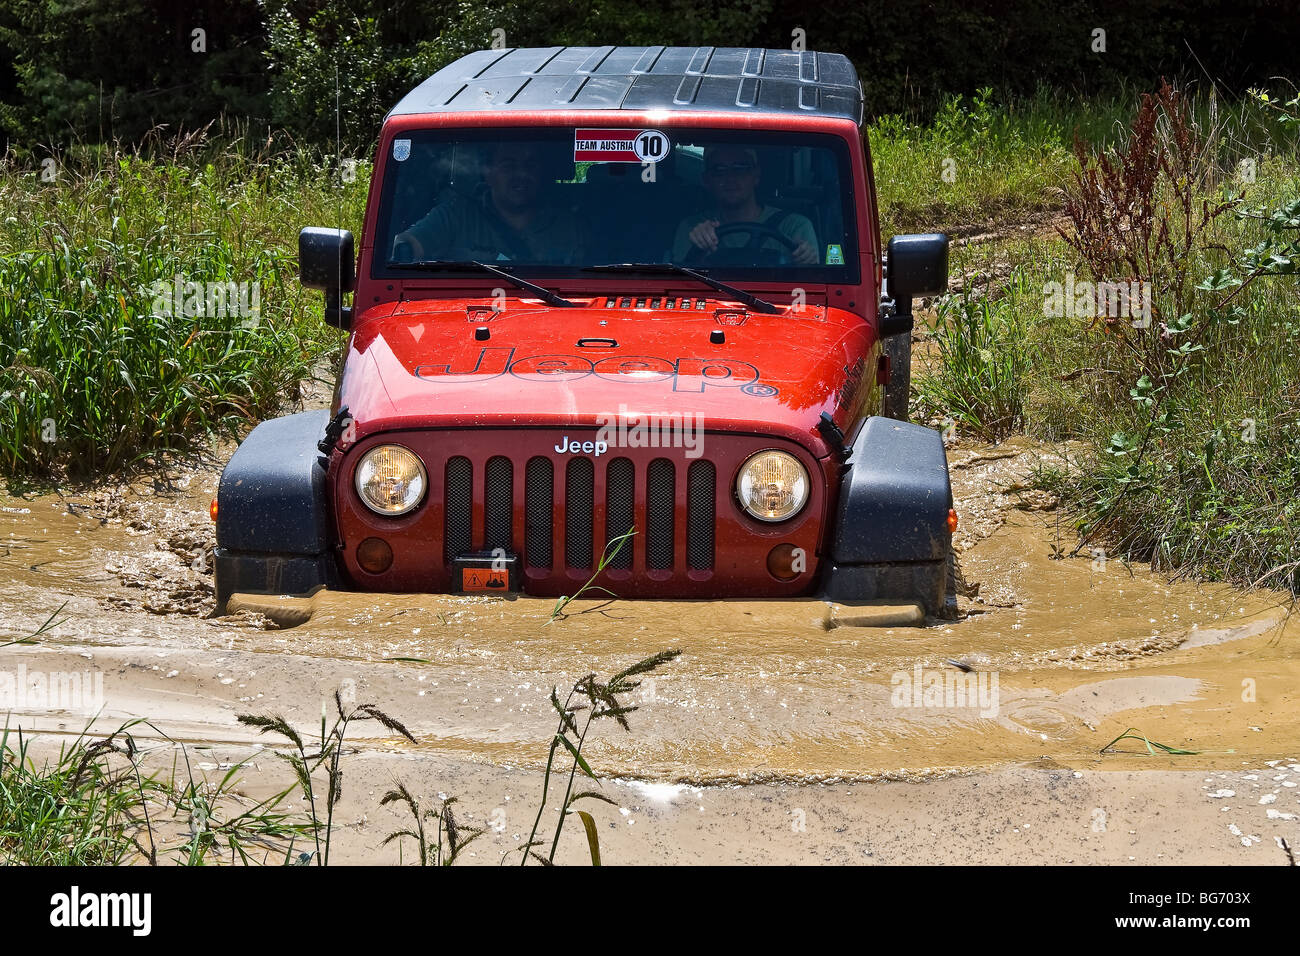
(812, 616)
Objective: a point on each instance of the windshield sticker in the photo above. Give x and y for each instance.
(620, 145)
(401, 150)
(834, 255)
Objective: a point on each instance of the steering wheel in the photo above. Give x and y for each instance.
(753, 228)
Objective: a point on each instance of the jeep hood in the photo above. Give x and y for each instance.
(429, 365)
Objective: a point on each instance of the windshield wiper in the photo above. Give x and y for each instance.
(668, 268)
(442, 265)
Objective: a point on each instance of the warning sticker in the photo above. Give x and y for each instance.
(484, 579)
(619, 145)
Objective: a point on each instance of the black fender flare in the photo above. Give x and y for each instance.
(891, 540)
(273, 514)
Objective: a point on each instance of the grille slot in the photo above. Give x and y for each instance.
(620, 509)
(579, 502)
(539, 489)
(457, 534)
(499, 496)
(700, 479)
(660, 477)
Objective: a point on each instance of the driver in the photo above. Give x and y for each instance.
(731, 175)
(509, 222)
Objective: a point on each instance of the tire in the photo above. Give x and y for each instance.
(898, 392)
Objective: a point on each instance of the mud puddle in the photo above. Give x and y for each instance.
(1057, 656)
(1053, 656)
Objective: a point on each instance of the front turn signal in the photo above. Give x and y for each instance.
(952, 521)
(212, 509)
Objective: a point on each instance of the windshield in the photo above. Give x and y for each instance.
(745, 204)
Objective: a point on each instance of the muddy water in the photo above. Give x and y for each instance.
(1064, 653)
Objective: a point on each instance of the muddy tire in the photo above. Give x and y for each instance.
(898, 392)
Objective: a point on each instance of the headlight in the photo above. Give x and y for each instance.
(772, 486)
(391, 480)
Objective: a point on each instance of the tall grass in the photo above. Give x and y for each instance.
(79, 810)
(980, 380)
(982, 161)
(1188, 429)
(93, 804)
(1197, 466)
(96, 369)
(978, 160)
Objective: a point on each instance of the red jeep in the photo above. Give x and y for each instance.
(619, 308)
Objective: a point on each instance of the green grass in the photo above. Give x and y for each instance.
(77, 810)
(978, 161)
(93, 804)
(94, 375)
(979, 380)
(1195, 466)
(1007, 162)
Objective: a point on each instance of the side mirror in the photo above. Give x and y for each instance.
(326, 261)
(918, 265)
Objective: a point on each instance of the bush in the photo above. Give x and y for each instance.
(1193, 462)
(101, 360)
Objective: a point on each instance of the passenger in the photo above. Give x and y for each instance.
(511, 221)
(731, 175)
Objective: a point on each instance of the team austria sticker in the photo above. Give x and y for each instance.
(620, 145)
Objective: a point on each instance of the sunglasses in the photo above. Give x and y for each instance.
(722, 169)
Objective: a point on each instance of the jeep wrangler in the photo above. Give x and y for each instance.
(620, 312)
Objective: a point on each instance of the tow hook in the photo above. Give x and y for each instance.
(334, 431)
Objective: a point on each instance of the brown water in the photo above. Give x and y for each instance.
(1080, 651)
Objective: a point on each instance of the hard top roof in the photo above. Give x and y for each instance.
(689, 79)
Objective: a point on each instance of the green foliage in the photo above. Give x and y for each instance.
(978, 161)
(981, 381)
(99, 70)
(94, 805)
(97, 366)
(337, 67)
(77, 811)
(1192, 457)
(108, 70)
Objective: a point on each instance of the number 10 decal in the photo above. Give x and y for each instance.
(650, 146)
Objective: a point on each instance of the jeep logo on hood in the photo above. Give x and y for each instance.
(686, 374)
